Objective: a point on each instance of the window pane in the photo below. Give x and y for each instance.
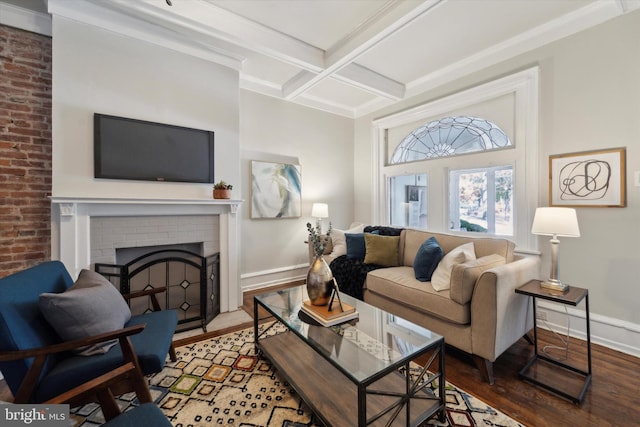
(450, 136)
(481, 200)
(408, 200)
(504, 201)
(472, 195)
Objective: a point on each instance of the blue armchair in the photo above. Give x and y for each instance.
(38, 365)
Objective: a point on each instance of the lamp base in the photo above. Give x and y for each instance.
(554, 285)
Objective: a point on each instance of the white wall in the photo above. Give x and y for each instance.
(276, 131)
(95, 70)
(589, 99)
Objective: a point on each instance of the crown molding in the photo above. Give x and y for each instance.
(89, 13)
(25, 19)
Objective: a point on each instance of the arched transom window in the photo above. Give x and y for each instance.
(450, 136)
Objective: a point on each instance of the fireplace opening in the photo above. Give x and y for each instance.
(190, 281)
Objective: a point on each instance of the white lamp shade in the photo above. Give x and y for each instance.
(320, 210)
(556, 222)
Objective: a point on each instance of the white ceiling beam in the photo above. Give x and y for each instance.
(377, 29)
(92, 13)
(218, 24)
(366, 79)
(385, 23)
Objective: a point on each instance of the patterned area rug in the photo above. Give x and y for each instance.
(222, 381)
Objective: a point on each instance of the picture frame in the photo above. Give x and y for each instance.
(275, 190)
(588, 179)
(413, 192)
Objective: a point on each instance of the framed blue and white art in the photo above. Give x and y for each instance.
(275, 190)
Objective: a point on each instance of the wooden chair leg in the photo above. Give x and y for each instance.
(138, 381)
(107, 401)
(172, 353)
(486, 369)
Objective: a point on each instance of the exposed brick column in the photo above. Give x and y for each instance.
(25, 149)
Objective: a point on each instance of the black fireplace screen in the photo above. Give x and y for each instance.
(191, 282)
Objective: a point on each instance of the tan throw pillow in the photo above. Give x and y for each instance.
(441, 278)
(381, 250)
(339, 240)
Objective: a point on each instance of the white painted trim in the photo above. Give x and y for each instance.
(113, 21)
(524, 86)
(71, 232)
(268, 278)
(607, 331)
(25, 19)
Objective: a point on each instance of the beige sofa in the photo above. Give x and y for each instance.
(480, 313)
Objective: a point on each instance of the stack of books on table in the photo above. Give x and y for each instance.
(326, 317)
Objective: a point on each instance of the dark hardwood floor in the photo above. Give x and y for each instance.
(612, 400)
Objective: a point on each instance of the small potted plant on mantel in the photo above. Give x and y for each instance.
(222, 190)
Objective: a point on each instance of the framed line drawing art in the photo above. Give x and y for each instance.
(275, 190)
(588, 179)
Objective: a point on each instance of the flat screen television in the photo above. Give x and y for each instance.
(140, 150)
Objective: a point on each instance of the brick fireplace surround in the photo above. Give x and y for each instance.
(71, 232)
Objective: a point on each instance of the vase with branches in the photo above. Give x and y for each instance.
(319, 276)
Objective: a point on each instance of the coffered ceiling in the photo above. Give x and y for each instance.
(348, 57)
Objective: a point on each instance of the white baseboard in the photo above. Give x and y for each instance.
(269, 278)
(609, 332)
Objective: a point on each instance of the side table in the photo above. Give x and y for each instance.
(569, 381)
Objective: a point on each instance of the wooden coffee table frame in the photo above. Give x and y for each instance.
(391, 397)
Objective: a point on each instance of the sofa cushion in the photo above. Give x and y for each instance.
(464, 276)
(441, 278)
(90, 307)
(381, 250)
(400, 285)
(356, 248)
(339, 240)
(429, 255)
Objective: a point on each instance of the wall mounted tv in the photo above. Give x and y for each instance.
(139, 150)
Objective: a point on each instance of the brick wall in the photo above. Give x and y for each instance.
(25, 149)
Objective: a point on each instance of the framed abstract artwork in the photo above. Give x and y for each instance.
(588, 179)
(275, 190)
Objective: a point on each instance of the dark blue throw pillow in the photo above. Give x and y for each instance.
(427, 258)
(355, 245)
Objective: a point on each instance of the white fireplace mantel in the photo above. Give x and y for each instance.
(71, 233)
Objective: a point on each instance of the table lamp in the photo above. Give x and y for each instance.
(319, 211)
(555, 222)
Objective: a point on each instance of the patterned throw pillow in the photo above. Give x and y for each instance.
(427, 259)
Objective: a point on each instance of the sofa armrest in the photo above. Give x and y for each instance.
(499, 316)
(464, 276)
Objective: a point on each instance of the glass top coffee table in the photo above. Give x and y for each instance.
(354, 373)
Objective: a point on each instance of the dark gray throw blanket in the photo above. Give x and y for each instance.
(350, 273)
